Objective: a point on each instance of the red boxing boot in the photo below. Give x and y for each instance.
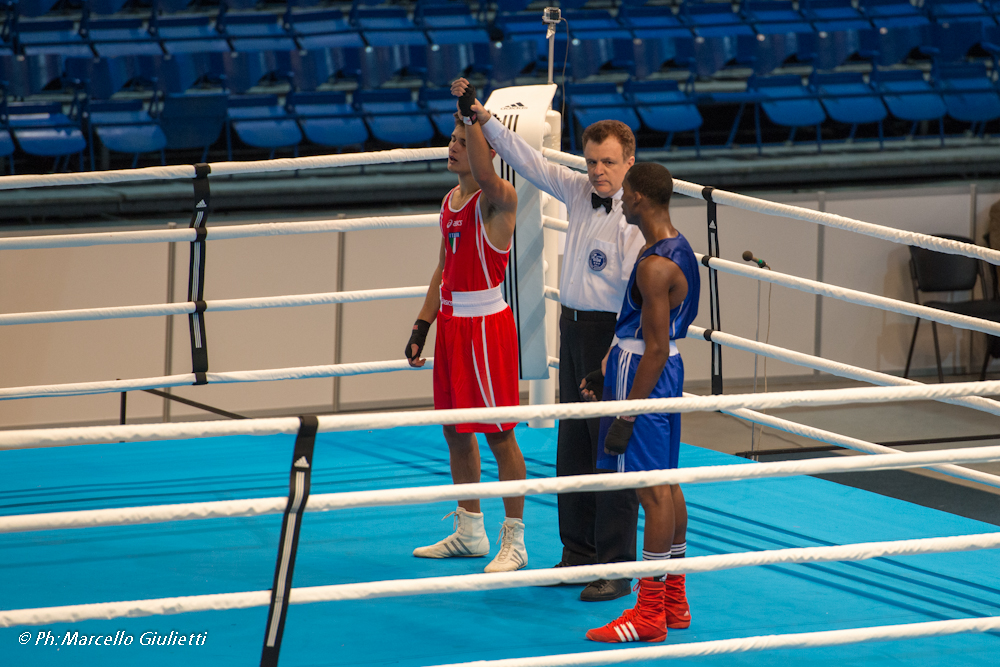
(644, 623)
(675, 604)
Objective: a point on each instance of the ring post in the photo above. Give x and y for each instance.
(713, 288)
(527, 110)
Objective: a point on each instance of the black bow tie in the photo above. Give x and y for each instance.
(597, 201)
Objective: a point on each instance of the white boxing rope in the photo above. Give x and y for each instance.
(220, 232)
(854, 296)
(554, 223)
(855, 444)
(433, 494)
(213, 306)
(880, 633)
(833, 367)
(551, 293)
(795, 212)
(139, 384)
(496, 581)
(21, 439)
(395, 155)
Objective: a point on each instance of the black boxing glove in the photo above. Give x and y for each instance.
(418, 338)
(616, 440)
(595, 383)
(465, 105)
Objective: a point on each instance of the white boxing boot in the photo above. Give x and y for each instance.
(513, 555)
(469, 539)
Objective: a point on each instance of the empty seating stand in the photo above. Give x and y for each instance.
(664, 107)
(260, 121)
(442, 106)
(125, 127)
(327, 119)
(968, 93)
(459, 44)
(44, 130)
(909, 96)
(587, 103)
(193, 121)
(787, 103)
(394, 45)
(394, 118)
(849, 99)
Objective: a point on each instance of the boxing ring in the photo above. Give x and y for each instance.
(817, 566)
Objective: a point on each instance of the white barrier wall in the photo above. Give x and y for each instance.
(33, 280)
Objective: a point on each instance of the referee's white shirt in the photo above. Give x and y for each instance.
(601, 248)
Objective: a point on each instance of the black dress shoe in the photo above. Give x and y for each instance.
(563, 563)
(603, 590)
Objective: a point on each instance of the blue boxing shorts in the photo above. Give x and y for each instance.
(656, 439)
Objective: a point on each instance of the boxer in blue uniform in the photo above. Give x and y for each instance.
(660, 302)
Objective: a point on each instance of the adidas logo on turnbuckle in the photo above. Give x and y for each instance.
(515, 105)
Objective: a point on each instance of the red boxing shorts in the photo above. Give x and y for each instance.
(475, 366)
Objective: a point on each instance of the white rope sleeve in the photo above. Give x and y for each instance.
(551, 293)
(495, 581)
(432, 494)
(856, 444)
(221, 233)
(855, 296)
(797, 213)
(299, 373)
(834, 367)
(225, 168)
(746, 644)
(554, 223)
(218, 305)
(331, 423)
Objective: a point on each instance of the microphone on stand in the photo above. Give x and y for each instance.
(748, 257)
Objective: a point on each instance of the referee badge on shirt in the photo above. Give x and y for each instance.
(453, 241)
(597, 260)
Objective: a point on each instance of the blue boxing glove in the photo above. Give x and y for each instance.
(616, 440)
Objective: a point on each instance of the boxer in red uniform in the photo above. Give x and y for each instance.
(475, 355)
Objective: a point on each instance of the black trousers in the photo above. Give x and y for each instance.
(595, 527)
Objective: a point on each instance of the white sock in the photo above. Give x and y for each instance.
(654, 555)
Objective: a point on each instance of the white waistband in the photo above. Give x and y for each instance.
(475, 304)
(638, 346)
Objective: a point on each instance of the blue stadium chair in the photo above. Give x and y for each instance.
(29, 75)
(663, 107)
(260, 121)
(458, 43)
(848, 98)
(244, 70)
(99, 78)
(393, 117)
(968, 93)
(717, 30)
(787, 103)
(189, 34)
(178, 72)
(778, 26)
(106, 6)
(256, 32)
(839, 26)
(44, 130)
(113, 38)
(441, 105)
(35, 7)
(524, 45)
(956, 10)
(60, 37)
(193, 121)
(125, 127)
(598, 42)
(587, 103)
(951, 40)
(306, 70)
(395, 46)
(327, 119)
(909, 96)
(327, 29)
(899, 28)
(659, 37)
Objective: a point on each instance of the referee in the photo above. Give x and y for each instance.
(601, 248)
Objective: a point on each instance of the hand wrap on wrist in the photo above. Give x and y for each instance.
(616, 440)
(595, 383)
(465, 105)
(418, 338)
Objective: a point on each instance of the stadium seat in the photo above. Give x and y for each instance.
(327, 119)
(189, 34)
(44, 130)
(597, 42)
(458, 43)
(46, 37)
(847, 98)
(125, 127)
(244, 70)
(909, 96)
(193, 121)
(179, 72)
(29, 75)
(838, 27)
(112, 38)
(395, 46)
(306, 70)
(658, 37)
(968, 93)
(587, 103)
(663, 107)
(787, 103)
(100, 78)
(258, 31)
(899, 28)
(441, 105)
(260, 121)
(778, 26)
(393, 117)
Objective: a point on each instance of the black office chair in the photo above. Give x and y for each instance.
(933, 271)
